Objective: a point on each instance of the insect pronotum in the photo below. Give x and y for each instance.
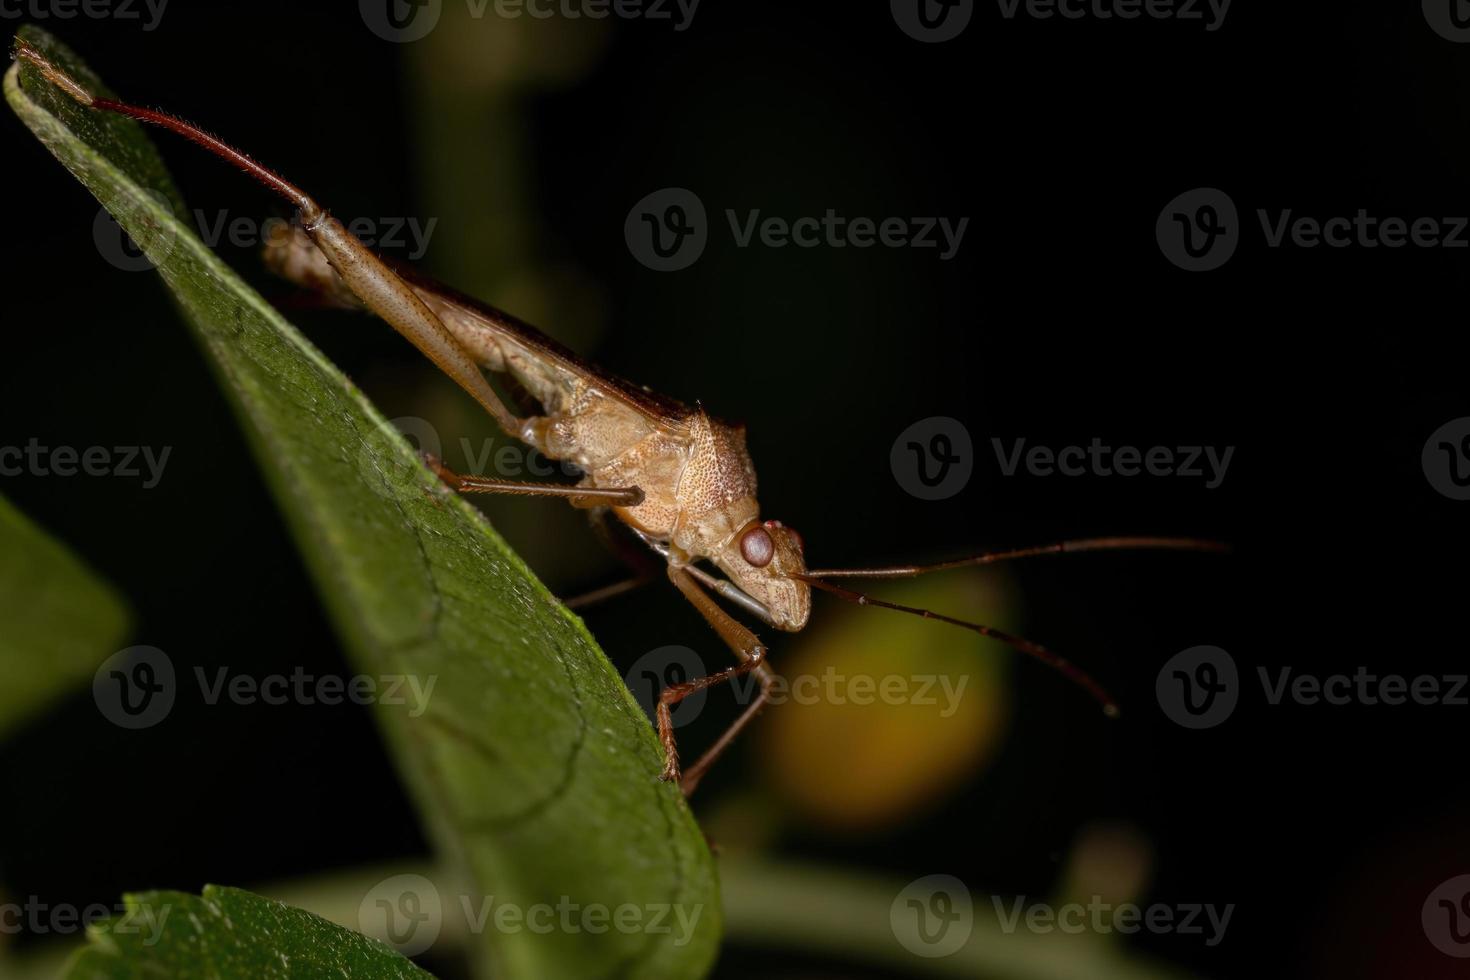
(679, 478)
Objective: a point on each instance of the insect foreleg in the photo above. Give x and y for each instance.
(752, 654)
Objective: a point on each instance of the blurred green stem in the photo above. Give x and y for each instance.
(845, 914)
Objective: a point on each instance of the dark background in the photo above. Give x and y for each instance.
(1058, 321)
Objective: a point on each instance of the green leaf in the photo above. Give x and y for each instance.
(533, 767)
(61, 620)
(229, 933)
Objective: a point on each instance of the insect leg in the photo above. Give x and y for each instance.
(386, 294)
(645, 565)
(577, 496)
(367, 277)
(752, 656)
(599, 595)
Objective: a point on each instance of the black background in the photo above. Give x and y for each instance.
(1058, 321)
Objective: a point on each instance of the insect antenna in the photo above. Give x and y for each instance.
(1144, 543)
(816, 578)
(1068, 669)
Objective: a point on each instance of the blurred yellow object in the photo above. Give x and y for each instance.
(882, 714)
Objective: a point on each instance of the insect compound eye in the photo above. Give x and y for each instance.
(756, 547)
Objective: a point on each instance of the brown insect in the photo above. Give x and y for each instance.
(679, 478)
